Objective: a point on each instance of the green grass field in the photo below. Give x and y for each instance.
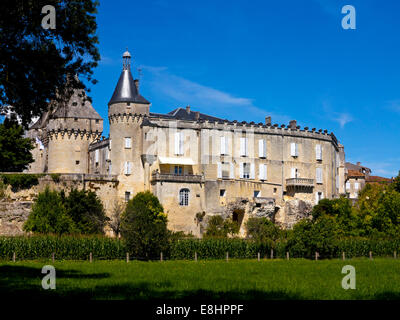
(194, 281)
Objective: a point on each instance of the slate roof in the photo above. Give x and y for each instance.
(126, 90)
(183, 114)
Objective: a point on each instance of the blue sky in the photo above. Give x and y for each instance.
(244, 60)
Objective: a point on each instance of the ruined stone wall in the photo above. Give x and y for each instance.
(15, 205)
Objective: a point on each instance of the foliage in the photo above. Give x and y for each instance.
(15, 150)
(49, 215)
(86, 211)
(396, 183)
(379, 209)
(20, 181)
(308, 237)
(263, 230)
(219, 227)
(79, 212)
(64, 247)
(144, 226)
(36, 63)
(55, 177)
(342, 214)
(116, 215)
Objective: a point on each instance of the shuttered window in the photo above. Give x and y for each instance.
(128, 143)
(318, 152)
(294, 149)
(224, 145)
(262, 172)
(262, 148)
(179, 143)
(243, 147)
(128, 167)
(319, 177)
(96, 156)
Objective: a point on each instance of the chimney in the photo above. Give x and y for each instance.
(136, 82)
(292, 124)
(188, 109)
(197, 115)
(268, 120)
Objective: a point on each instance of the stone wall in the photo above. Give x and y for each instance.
(15, 206)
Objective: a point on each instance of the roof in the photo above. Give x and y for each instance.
(78, 106)
(357, 167)
(185, 114)
(126, 90)
(377, 179)
(355, 173)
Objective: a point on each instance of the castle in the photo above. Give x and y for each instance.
(196, 164)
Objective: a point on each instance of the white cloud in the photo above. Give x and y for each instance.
(187, 92)
(343, 119)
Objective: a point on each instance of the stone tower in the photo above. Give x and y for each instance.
(126, 111)
(72, 127)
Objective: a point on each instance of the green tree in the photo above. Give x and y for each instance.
(15, 150)
(219, 227)
(396, 183)
(262, 230)
(35, 63)
(86, 210)
(144, 226)
(49, 215)
(308, 237)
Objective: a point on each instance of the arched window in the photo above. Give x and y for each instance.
(184, 197)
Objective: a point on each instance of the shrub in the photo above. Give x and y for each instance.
(49, 215)
(262, 230)
(86, 210)
(219, 227)
(20, 181)
(144, 226)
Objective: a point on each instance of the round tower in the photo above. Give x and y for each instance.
(126, 111)
(71, 129)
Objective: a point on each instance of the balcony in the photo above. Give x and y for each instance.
(167, 177)
(299, 182)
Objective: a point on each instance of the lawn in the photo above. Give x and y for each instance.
(194, 281)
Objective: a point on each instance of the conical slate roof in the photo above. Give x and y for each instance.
(78, 106)
(126, 90)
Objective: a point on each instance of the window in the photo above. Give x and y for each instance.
(243, 147)
(355, 194)
(75, 119)
(96, 156)
(97, 120)
(356, 185)
(256, 193)
(246, 170)
(262, 172)
(74, 103)
(178, 170)
(179, 143)
(318, 173)
(110, 145)
(77, 162)
(262, 148)
(318, 152)
(318, 197)
(224, 146)
(347, 185)
(275, 190)
(223, 170)
(184, 197)
(222, 192)
(294, 149)
(127, 196)
(128, 167)
(128, 143)
(294, 173)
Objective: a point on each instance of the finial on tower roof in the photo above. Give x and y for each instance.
(126, 59)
